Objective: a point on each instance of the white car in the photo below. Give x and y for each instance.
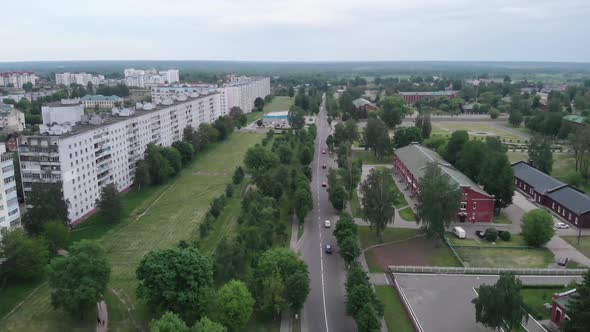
(561, 225)
(327, 224)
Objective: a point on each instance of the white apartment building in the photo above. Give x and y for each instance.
(11, 120)
(16, 79)
(243, 92)
(150, 77)
(104, 149)
(9, 210)
(161, 93)
(65, 111)
(78, 78)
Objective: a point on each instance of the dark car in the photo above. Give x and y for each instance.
(324, 166)
(324, 184)
(328, 249)
(562, 261)
(480, 234)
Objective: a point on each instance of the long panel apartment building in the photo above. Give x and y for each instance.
(89, 152)
(241, 91)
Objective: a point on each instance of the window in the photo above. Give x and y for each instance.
(463, 205)
(553, 205)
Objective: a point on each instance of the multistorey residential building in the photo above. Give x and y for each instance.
(163, 92)
(11, 120)
(146, 78)
(64, 111)
(9, 210)
(16, 79)
(242, 91)
(78, 78)
(104, 149)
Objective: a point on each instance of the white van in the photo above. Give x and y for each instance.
(459, 232)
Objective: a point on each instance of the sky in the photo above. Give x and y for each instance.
(295, 30)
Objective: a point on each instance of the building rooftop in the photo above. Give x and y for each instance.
(281, 114)
(6, 107)
(361, 102)
(575, 118)
(542, 182)
(429, 93)
(416, 157)
(101, 98)
(571, 199)
(564, 298)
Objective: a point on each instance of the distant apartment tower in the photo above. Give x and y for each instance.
(61, 112)
(11, 120)
(147, 78)
(78, 78)
(17, 78)
(88, 152)
(163, 92)
(412, 97)
(242, 91)
(9, 210)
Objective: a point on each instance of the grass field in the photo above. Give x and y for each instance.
(583, 247)
(166, 216)
(474, 130)
(395, 315)
(535, 298)
(368, 237)
(355, 205)
(516, 240)
(369, 158)
(278, 103)
(502, 219)
(407, 214)
(505, 257)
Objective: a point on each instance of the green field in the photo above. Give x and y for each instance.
(505, 257)
(395, 315)
(278, 103)
(368, 238)
(355, 205)
(535, 298)
(516, 240)
(165, 217)
(475, 130)
(583, 247)
(502, 219)
(369, 158)
(407, 214)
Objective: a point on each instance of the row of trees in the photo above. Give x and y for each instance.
(361, 301)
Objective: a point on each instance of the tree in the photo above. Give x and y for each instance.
(438, 201)
(291, 92)
(345, 227)
(377, 199)
(174, 159)
(407, 135)
(142, 174)
(225, 126)
(47, 203)
(349, 249)
(471, 158)
(455, 145)
(424, 123)
(259, 104)
(56, 235)
(26, 257)
(497, 178)
(260, 159)
(238, 175)
(80, 279)
(234, 305)
(280, 281)
(501, 305)
(540, 154)
(28, 87)
(159, 166)
(393, 109)
(168, 322)
(303, 202)
(177, 279)
(207, 325)
(337, 195)
(580, 142)
(305, 155)
(515, 118)
(377, 138)
(537, 227)
(110, 203)
(296, 117)
(578, 308)
(186, 151)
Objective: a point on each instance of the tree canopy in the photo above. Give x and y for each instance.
(110, 203)
(26, 256)
(537, 227)
(47, 203)
(234, 305)
(501, 305)
(578, 308)
(377, 199)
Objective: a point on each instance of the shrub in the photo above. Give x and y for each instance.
(229, 190)
(491, 234)
(505, 235)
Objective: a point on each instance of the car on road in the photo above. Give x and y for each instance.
(323, 151)
(327, 224)
(561, 225)
(328, 249)
(480, 234)
(324, 166)
(563, 261)
(324, 184)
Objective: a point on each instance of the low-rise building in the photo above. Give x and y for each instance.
(412, 97)
(410, 163)
(104, 148)
(559, 306)
(276, 119)
(364, 105)
(100, 101)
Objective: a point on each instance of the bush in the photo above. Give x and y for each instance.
(537, 227)
(491, 234)
(229, 190)
(494, 114)
(505, 235)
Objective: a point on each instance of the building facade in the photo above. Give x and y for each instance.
(364, 105)
(64, 111)
(563, 200)
(147, 78)
(410, 163)
(9, 209)
(16, 79)
(100, 101)
(105, 149)
(243, 92)
(559, 305)
(78, 78)
(161, 93)
(412, 97)
(11, 120)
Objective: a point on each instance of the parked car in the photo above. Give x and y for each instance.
(563, 261)
(323, 151)
(324, 184)
(327, 224)
(480, 234)
(459, 232)
(561, 225)
(328, 248)
(324, 166)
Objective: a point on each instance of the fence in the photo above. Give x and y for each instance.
(484, 270)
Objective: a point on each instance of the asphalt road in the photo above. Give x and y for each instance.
(325, 308)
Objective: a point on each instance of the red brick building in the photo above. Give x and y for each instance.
(364, 105)
(559, 307)
(565, 201)
(412, 97)
(410, 163)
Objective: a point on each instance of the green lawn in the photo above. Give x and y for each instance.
(396, 317)
(505, 257)
(477, 130)
(355, 205)
(583, 247)
(278, 103)
(368, 238)
(407, 214)
(400, 199)
(535, 298)
(369, 158)
(169, 216)
(516, 240)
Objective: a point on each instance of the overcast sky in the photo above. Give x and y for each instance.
(295, 30)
